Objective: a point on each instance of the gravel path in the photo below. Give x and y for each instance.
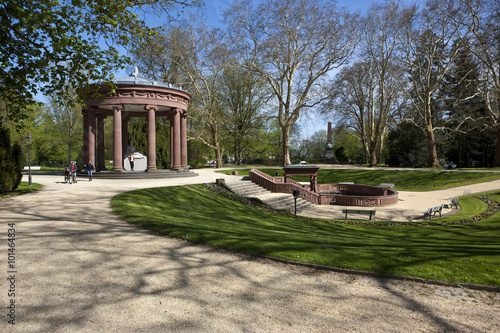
(79, 268)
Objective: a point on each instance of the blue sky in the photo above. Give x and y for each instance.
(214, 14)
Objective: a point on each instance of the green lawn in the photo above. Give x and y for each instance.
(23, 188)
(460, 253)
(407, 180)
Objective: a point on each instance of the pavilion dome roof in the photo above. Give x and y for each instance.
(139, 79)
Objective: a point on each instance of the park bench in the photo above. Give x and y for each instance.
(358, 211)
(433, 211)
(453, 202)
(33, 168)
(387, 185)
(346, 183)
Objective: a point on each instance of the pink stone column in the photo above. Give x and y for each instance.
(117, 138)
(184, 156)
(151, 138)
(176, 140)
(101, 158)
(85, 137)
(91, 130)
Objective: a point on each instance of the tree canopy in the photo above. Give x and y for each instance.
(49, 45)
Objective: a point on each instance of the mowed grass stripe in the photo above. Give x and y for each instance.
(464, 254)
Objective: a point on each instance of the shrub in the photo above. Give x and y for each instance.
(197, 163)
(10, 163)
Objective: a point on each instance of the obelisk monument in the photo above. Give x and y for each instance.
(329, 156)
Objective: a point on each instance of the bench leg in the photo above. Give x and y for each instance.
(345, 216)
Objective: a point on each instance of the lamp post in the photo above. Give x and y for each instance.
(295, 195)
(29, 141)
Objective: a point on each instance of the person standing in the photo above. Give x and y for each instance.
(73, 170)
(131, 160)
(90, 168)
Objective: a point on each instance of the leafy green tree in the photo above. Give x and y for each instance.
(311, 148)
(242, 97)
(406, 146)
(349, 141)
(341, 155)
(49, 45)
(67, 125)
(137, 132)
(162, 143)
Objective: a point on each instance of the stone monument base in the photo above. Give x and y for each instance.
(140, 162)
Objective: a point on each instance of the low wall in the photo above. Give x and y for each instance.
(343, 194)
(277, 184)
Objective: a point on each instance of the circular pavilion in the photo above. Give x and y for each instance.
(135, 96)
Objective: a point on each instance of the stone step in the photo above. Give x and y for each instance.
(278, 201)
(247, 189)
(290, 205)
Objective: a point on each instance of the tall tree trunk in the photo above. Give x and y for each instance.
(432, 158)
(239, 154)
(286, 145)
(216, 146)
(373, 153)
(218, 156)
(381, 157)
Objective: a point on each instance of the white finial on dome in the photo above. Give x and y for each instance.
(136, 71)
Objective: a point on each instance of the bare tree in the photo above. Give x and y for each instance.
(429, 56)
(480, 21)
(349, 100)
(202, 57)
(383, 24)
(367, 94)
(293, 45)
(194, 56)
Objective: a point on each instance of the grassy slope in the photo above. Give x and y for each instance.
(23, 188)
(466, 253)
(413, 180)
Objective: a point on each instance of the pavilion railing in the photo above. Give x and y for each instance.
(333, 194)
(277, 184)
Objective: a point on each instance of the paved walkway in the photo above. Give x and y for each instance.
(410, 204)
(79, 268)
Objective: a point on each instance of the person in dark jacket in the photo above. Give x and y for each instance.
(90, 168)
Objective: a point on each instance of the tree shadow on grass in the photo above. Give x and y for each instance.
(83, 268)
